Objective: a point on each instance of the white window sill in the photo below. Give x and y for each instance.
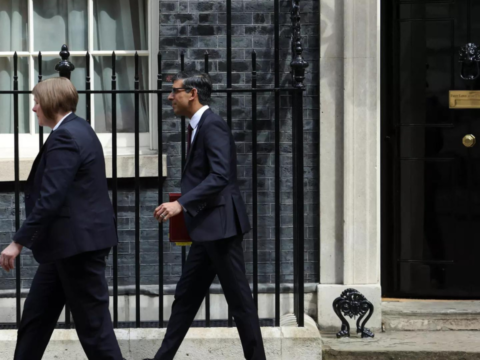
(125, 163)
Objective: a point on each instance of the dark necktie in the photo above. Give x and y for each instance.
(189, 141)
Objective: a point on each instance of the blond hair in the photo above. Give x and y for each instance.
(56, 95)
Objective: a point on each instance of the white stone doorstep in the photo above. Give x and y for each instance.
(281, 343)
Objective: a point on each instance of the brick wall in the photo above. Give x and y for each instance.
(194, 27)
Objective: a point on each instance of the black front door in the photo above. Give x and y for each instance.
(433, 212)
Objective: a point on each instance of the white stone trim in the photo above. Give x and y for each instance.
(362, 135)
(149, 307)
(331, 141)
(125, 165)
(350, 142)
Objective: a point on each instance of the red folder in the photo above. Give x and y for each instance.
(178, 233)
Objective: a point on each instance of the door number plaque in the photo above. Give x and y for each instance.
(464, 99)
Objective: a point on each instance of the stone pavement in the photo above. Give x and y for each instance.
(281, 343)
(404, 345)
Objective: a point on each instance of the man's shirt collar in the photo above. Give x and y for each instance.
(197, 116)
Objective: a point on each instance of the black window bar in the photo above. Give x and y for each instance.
(295, 92)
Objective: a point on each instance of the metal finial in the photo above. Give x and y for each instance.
(298, 63)
(65, 67)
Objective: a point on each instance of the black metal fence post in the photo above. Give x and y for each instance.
(254, 179)
(65, 68)
(160, 187)
(88, 84)
(207, 296)
(184, 153)
(17, 185)
(114, 187)
(277, 162)
(137, 193)
(40, 77)
(229, 94)
(298, 66)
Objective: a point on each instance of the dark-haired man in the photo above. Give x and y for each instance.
(215, 217)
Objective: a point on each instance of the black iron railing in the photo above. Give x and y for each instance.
(295, 91)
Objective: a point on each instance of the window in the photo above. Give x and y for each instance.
(97, 26)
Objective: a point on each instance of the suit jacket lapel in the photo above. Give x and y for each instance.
(192, 146)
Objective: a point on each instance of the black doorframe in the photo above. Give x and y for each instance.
(387, 148)
(390, 150)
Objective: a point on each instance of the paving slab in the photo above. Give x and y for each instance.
(404, 345)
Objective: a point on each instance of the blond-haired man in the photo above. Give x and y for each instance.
(70, 228)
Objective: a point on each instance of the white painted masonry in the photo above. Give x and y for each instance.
(349, 154)
(149, 307)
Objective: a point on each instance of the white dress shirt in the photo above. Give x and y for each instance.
(58, 124)
(196, 119)
(194, 123)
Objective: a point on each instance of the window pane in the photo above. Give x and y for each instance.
(77, 77)
(60, 22)
(6, 101)
(120, 25)
(125, 67)
(13, 25)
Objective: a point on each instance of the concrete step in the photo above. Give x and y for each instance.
(404, 345)
(281, 343)
(430, 315)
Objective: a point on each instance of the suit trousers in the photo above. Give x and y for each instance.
(205, 260)
(80, 282)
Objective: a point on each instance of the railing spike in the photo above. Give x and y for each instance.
(65, 67)
(298, 63)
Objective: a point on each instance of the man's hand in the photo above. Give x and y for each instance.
(7, 258)
(167, 210)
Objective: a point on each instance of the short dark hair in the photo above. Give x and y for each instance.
(197, 80)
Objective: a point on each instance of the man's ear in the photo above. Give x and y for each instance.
(193, 93)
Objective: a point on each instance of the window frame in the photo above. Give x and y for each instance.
(29, 142)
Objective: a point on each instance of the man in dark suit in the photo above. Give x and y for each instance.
(70, 228)
(216, 220)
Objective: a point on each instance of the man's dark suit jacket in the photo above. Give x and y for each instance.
(66, 196)
(210, 194)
